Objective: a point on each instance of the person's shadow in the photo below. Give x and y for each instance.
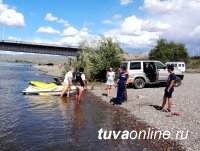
(156, 107)
(104, 94)
(113, 101)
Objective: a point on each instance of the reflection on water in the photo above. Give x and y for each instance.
(34, 123)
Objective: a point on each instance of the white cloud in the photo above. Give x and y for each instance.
(154, 26)
(164, 6)
(125, 2)
(50, 17)
(64, 22)
(42, 41)
(14, 38)
(195, 33)
(170, 6)
(48, 30)
(70, 31)
(132, 33)
(182, 16)
(131, 26)
(73, 36)
(10, 17)
(70, 36)
(117, 16)
(85, 24)
(107, 21)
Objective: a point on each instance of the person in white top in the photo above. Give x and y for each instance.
(110, 80)
(67, 82)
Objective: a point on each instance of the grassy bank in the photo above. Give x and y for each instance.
(194, 65)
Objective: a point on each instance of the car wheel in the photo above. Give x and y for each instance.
(139, 83)
(178, 82)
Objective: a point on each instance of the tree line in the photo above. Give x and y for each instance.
(99, 55)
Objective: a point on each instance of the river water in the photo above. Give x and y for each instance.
(34, 123)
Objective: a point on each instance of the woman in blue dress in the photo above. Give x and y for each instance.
(121, 81)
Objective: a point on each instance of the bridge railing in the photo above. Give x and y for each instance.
(32, 43)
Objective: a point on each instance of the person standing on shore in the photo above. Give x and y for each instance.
(169, 89)
(110, 81)
(67, 82)
(125, 91)
(80, 84)
(121, 81)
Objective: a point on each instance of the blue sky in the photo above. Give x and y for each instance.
(135, 24)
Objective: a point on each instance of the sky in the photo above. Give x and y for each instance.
(135, 24)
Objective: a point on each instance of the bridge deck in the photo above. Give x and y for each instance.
(38, 48)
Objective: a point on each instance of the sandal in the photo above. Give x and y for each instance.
(168, 110)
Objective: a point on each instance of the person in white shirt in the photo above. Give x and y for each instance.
(67, 82)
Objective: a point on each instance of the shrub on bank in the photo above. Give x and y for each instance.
(97, 57)
(194, 62)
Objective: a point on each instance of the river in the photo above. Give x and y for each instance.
(34, 123)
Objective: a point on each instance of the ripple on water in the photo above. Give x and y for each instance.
(51, 123)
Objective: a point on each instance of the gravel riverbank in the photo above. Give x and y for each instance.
(142, 102)
(54, 71)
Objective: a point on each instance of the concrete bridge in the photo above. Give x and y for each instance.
(19, 46)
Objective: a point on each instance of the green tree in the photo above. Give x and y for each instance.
(169, 51)
(97, 57)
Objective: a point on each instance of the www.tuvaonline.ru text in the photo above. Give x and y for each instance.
(143, 134)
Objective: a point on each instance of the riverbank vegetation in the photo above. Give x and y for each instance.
(194, 62)
(97, 57)
(194, 65)
(169, 51)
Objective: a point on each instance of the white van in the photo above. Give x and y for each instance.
(179, 65)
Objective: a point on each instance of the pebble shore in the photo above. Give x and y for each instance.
(142, 105)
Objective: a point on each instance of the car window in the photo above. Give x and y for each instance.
(183, 65)
(175, 65)
(159, 65)
(179, 65)
(135, 65)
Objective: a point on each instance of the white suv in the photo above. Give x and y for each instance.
(143, 72)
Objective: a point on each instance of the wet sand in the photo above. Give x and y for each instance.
(133, 123)
(54, 71)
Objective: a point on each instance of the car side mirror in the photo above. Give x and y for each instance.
(165, 67)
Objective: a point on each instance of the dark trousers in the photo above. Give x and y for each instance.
(125, 93)
(120, 93)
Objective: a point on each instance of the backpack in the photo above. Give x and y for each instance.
(79, 80)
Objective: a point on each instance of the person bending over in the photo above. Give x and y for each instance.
(80, 84)
(67, 82)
